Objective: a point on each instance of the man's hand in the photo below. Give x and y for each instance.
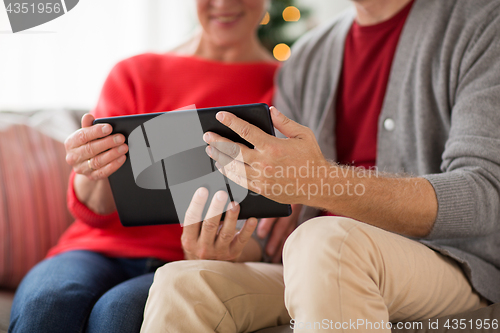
(279, 169)
(281, 228)
(294, 171)
(213, 239)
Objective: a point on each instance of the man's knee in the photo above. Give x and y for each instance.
(319, 233)
(189, 276)
(195, 289)
(180, 271)
(173, 274)
(325, 241)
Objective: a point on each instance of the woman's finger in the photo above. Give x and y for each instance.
(243, 236)
(87, 120)
(265, 226)
(211, 223)
(100, 161)
(276, 258)
(87, 134)
(108, 169)
(107, 157)
(96, 147)
(228, 230)
(278, 235)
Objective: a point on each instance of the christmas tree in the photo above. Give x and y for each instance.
(282, 25)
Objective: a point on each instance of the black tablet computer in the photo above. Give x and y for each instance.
(167, 162)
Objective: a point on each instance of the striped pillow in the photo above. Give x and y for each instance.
(33, 213)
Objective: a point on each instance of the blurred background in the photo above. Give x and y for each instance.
(63, 63)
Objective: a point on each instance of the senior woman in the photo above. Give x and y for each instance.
(96, 279)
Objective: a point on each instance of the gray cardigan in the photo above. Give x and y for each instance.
(443, 98)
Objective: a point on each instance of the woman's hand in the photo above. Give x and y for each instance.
(280, 228)
(92, 152)
(212, 238)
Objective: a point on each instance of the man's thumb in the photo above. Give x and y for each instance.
(285, 125)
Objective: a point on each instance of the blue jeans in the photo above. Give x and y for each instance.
(82, 291)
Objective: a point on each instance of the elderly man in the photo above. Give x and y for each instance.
(411, 88)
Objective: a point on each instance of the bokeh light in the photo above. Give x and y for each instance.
(282, 52)
(291, 14)
(266, 19)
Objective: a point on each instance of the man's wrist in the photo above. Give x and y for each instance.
(325, 190)
(340, 188)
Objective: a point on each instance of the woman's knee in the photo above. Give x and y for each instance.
(36, 294)
(41, 301)
(61, 291)
(126, 297)
(121, 308)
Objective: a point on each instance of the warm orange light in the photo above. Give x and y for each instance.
(266, 19)
(291, 14)
(282, 52)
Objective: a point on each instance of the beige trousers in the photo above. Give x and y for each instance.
(340, 275)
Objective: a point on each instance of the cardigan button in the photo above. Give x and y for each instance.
(389, 124)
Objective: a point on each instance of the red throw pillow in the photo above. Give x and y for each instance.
(33, 214)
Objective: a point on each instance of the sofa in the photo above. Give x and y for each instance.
(33, 214)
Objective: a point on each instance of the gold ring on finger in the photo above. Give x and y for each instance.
(90, 165)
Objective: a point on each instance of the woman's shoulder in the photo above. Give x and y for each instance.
(149, 68)
(146, 60)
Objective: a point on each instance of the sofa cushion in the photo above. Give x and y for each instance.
(5, 304)
(33, 184)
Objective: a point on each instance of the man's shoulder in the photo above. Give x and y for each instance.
(476, 7)
(462, 13)
(456, 25)
(478, 13)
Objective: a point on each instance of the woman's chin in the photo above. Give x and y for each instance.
(223, 40)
